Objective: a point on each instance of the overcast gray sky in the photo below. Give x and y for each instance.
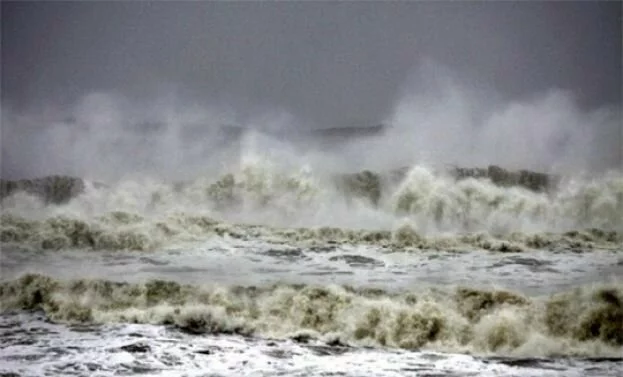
(328, 64)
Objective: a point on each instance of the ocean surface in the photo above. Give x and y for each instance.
(270, 271)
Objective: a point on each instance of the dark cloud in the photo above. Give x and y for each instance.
(326, 64)
(324, 61)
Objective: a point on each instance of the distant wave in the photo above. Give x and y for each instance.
(127, 231)
(587, 321)
(419, 207)
(52, 189)
(57, 189)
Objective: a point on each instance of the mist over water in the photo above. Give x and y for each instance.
(436, 119)
(279, 210)
(446, 120)
(176, 161)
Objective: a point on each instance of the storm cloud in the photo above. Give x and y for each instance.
(324, 64)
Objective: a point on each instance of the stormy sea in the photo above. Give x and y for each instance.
(270, 267)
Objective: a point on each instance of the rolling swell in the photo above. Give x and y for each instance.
(587, 321)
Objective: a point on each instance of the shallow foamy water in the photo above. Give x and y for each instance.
(34, 347)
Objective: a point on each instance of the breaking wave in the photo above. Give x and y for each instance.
(420, 207)
(125, 231)
(587, 321)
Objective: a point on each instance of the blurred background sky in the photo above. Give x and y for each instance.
(109, 88)
(330, 63)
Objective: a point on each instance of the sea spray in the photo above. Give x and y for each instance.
(587, 321)
(300, 205)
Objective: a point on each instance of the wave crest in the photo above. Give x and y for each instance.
(126, 231)
(437, 205)
(585, 321)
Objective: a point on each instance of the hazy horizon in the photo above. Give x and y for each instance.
(88, 88)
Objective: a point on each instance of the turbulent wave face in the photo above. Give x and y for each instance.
(418, 207)
(586, 321)
(393, 239)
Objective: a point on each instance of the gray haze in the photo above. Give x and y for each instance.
(324, 64)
